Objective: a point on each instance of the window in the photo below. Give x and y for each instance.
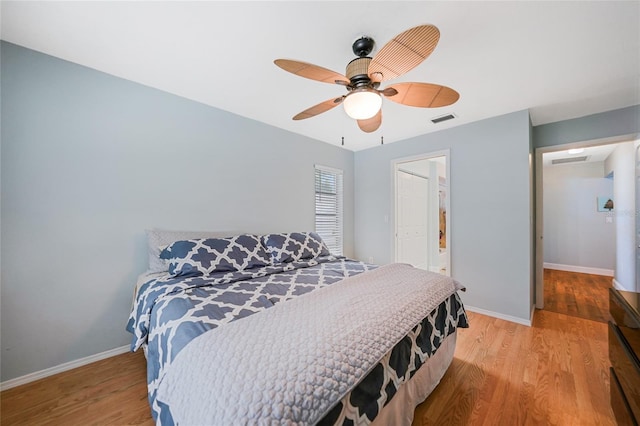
(329, 207)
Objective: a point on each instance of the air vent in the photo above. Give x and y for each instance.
(442, 118)
(569, 160)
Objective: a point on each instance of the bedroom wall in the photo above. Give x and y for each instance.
(490, 208)
(576, 234)
(619, 122)
(88, 162)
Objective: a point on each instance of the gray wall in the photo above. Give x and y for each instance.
(490, 208)
(88, 162)
(576, 234)
(618, 122)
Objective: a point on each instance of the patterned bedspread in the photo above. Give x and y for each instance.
(293, 362)
(398, 366)
(170, 311)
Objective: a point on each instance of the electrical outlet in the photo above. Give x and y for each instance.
(370, 259)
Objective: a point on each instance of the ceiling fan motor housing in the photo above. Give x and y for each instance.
(363, 46)
(358, 72)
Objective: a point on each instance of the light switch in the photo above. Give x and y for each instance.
(608, 219)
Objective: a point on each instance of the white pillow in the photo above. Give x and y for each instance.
(158, 239)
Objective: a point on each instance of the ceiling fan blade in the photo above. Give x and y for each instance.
(406, 51)
(423, 95)
(311, 71)
(319, 109)
(371, 124)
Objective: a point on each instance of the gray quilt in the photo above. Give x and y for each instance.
(291, 363)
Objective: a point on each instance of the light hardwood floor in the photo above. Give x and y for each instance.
(578, 295)
(108, 392)
(553, 373)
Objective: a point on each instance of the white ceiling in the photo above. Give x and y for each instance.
(559, 59)
(593, 154)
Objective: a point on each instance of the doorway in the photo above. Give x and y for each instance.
(422, 231)
(592, 203)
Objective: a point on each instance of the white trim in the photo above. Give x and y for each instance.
(533, 311)
(509, 318)
(395, 167)
(616, 284)
(329, 169)
(580, 269)
(32, 377)
(538, 233)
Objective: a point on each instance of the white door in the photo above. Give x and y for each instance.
(412, 213)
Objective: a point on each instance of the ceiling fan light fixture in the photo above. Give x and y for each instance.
(362, 104)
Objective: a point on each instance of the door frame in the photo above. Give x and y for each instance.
(637, 240)
(539, 194)
(395, 163)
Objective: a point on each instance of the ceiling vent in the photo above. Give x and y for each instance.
(442, 118)
(569, 160)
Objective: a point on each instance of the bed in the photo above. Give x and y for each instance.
(274, 329)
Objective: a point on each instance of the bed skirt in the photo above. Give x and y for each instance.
(400, 410)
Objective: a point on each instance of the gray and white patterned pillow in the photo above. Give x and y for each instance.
(208, 255)
(158, 239)
(294, 246)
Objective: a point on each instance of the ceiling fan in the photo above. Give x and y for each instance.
(363, 100)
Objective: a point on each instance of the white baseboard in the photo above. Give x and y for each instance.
(533, 311)
(510, 318)
(32, 377)
(579, 269)
(618, 286)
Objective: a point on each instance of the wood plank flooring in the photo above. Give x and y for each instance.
(578, 295)
(553, 373)
(108, 392)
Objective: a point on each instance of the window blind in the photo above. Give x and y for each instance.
(328, 189)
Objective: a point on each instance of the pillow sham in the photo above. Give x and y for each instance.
(158, 239)
(208, 255)
(294, 246)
